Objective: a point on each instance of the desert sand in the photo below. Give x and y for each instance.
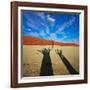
(32, 59)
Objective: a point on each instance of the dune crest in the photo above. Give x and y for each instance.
(30, 40)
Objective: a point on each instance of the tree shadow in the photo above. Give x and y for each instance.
(66, 62)
(46, 66)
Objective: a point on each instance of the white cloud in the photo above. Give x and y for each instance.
(52, 20)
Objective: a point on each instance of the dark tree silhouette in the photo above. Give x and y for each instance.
(52, 43)
(66, 62)
(46, 67)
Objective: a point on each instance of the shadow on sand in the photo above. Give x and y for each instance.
(66, 62)
(46, 66)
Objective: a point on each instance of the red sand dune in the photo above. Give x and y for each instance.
(30, 40)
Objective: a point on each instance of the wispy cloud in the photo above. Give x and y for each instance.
(29, 29)
(61, 28)
(35, 34)
(71, 21)
(53, 36)
(75, 40)
(50, 26)
(41, 15)
(65, 25)
(31, 24)
(47, 30)
(44, 22)
(51, 20)
(42, 33)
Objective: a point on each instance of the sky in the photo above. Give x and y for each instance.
(61, 27)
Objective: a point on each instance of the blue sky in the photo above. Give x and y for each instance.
(62, 27)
